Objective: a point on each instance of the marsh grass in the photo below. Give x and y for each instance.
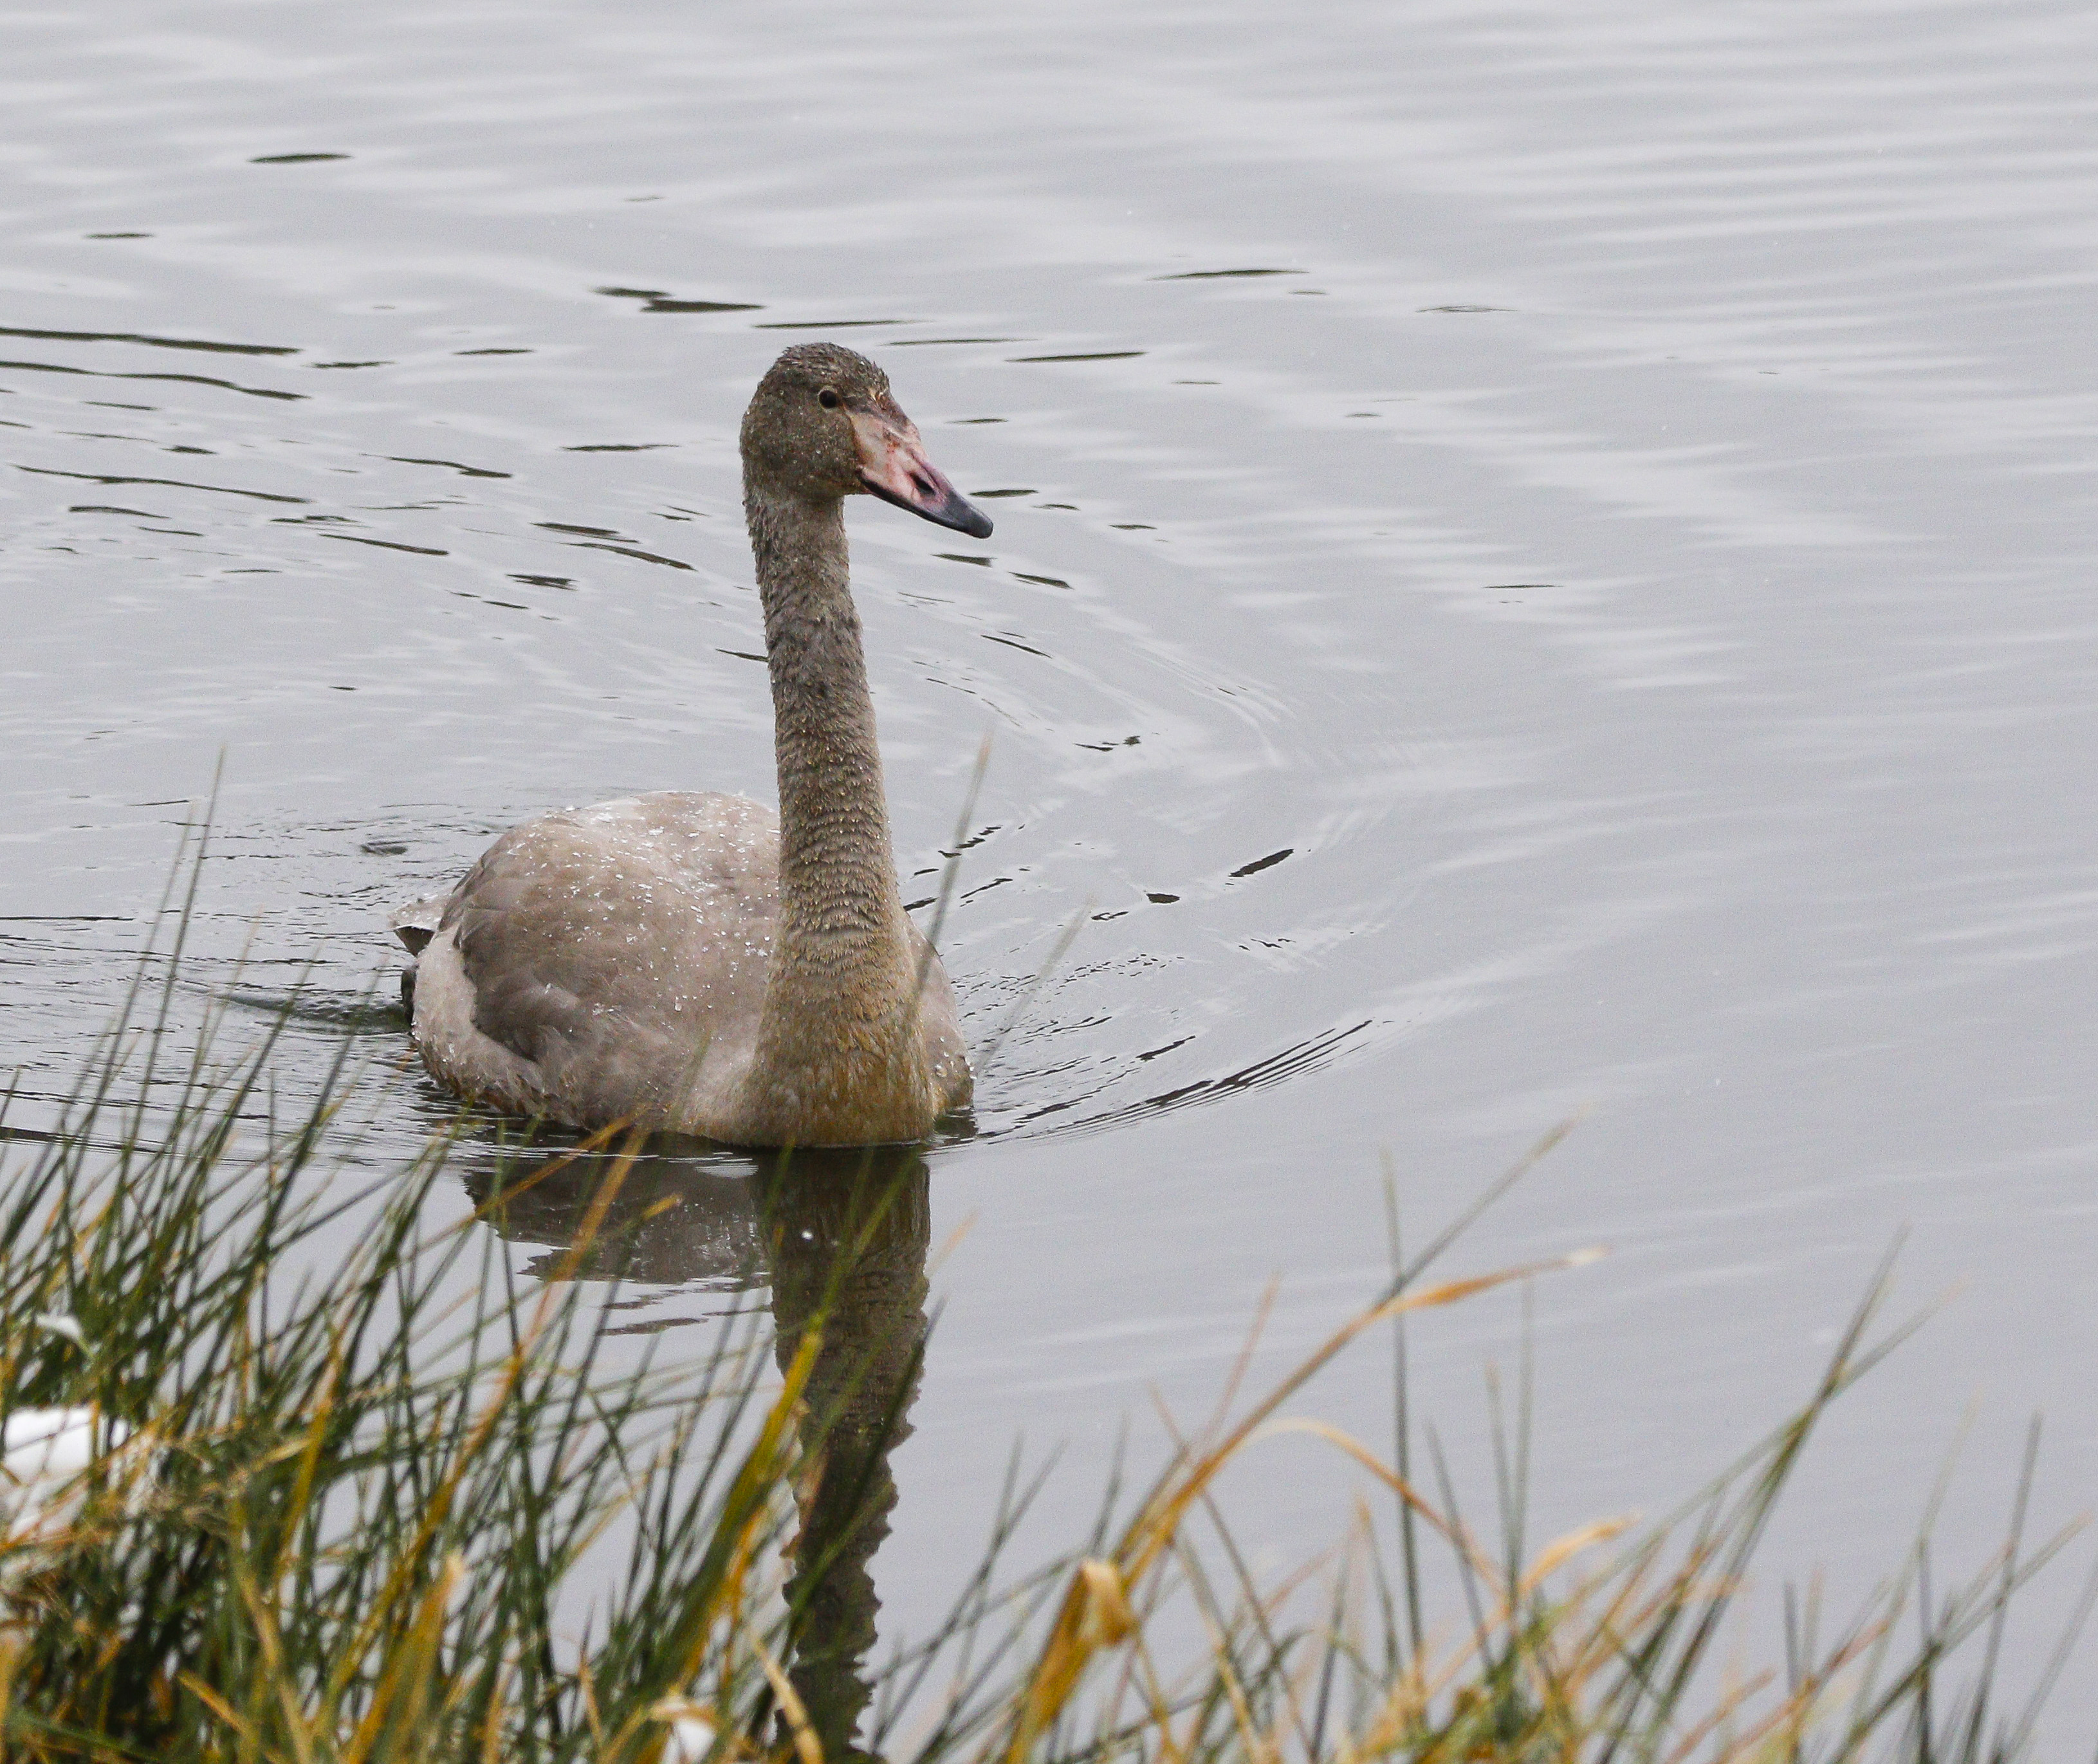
(367, 1500)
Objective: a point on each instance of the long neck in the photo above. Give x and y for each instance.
(839, 984)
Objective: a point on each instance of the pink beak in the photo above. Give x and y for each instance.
(893, 465)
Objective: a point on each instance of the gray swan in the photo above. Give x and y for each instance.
(693, 964)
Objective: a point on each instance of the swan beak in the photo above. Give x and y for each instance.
(893, 465)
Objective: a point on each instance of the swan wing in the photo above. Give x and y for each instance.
(616, 950)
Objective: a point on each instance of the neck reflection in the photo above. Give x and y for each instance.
(840, 1237)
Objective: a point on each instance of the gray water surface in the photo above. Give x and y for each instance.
(1541, 565)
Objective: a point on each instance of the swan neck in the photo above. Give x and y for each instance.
(836, 871)
(840, 980)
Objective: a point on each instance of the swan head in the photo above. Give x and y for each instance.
(824, 424)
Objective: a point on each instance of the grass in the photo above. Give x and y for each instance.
(401, 1506)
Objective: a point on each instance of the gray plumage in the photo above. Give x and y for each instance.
(693, 963)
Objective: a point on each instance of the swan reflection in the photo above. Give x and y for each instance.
(839, 1236)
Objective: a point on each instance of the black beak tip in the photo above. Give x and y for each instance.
(952, 510)
(956, 510)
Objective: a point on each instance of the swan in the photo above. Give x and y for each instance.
(692, 963)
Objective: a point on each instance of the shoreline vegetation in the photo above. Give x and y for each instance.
(398, 1508)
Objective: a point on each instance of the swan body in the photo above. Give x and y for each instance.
(693, 963)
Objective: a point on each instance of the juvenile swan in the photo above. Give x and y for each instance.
(695, 964)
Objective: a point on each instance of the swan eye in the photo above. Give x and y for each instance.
(828, 399)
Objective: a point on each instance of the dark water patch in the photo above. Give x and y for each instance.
(742, 654)
(1295, 1061)
(620, 447)
(1014, 643)
(37, 1136)
(115, 235)
(1216, 275)
(545, 581)
(1464, 308)
(349, 364)
(1097, 355)
(632, 551)
(451, 465)
(1044, 581)
(964, 557)
(934, 343)
(190, 380)
(988, 495)
(172, 484)
(296, 159)
(146, 339)
(111, 508)
(1259, 864)
(1154, 1053)
(491, 352)
(389, 544)
(593, 532)
(658, 300)
(831, 324)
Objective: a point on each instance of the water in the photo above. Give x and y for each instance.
(1599, 491)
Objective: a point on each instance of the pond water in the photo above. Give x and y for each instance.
(1540, 567)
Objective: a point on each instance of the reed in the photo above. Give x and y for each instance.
(399, 1505)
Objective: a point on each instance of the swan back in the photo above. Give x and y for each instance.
(609, 962)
